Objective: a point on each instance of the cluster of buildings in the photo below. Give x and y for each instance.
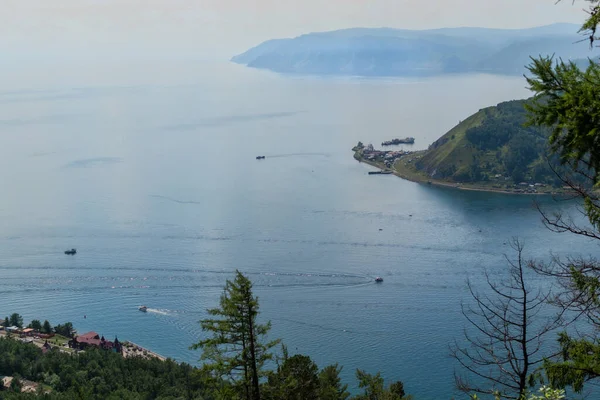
(384, 156)
(78, 342)
(26, 386)
(81, 342)
(522, 187)
(92, 339)
(25, 332)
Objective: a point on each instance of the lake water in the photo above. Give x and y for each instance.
(150, 172)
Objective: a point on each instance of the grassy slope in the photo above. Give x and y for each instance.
(454, 152)
(453, 148)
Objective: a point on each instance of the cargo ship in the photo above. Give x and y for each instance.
(407, 140)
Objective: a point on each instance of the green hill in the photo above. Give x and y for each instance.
(491, 149)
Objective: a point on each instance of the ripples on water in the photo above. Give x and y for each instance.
(162, 217)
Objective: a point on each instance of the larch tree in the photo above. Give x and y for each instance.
(236, 350)
(505, 343)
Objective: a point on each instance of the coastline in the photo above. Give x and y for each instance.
(130, 349)
(403, 172)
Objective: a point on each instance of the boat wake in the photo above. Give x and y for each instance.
(299, 154)
(157, 311)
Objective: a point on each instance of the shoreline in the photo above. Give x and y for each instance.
(130, 349)
(433, 182)
(135, 348)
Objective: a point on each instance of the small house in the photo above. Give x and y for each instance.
(27, 332)
(5, 382)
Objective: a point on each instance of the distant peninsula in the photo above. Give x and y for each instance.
(386, 52)
(492, 150)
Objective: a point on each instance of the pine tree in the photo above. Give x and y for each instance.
(36, 325)
(16, 320)
(331, 384)
(46, 328)
(236, 351)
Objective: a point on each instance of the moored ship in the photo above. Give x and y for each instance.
(407, 140)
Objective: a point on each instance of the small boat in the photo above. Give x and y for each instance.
(379, 279)
(260, 157)
(71, 252)
(143, 308)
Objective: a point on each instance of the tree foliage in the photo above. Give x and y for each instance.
(65, 329)
(330, 384)
(508, 123)
(36, 325)
(16, 320)
(96, 374)
(567, 100)
(298, 377)
(46, 327)
(237, 350)
(374, 388)
(295, 379)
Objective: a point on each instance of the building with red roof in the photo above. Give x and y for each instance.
(92, 339)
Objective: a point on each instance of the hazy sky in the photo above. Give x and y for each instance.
(224, 27)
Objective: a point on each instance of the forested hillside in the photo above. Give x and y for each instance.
(96, 374)
(494, 144)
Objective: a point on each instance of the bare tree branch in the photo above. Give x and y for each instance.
(504, 343)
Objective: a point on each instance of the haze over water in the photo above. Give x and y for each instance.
(150, 172)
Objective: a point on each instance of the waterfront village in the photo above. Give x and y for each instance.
(64, 338)
(387, 159)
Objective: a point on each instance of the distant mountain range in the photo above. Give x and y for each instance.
(399, 52)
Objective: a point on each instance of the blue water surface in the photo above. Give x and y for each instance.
(153, 178)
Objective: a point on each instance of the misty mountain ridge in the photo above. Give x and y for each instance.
(401, 52)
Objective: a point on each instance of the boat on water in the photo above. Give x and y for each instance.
(71, 252)
(260, 157)
(393, 142)
(383, 172)
(143, 308)
(379, 279)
